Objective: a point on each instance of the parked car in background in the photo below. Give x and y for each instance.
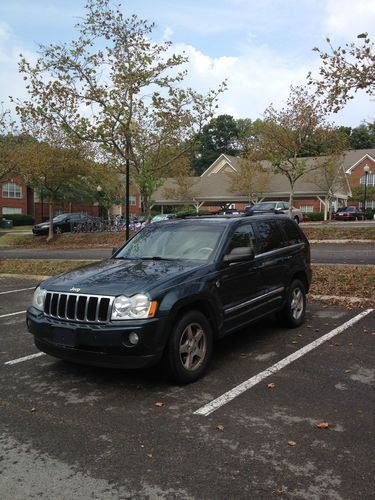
(275, 207)
(349, 213)
(63, 223)
(161, 217)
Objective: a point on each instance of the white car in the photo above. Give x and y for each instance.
(275, 207)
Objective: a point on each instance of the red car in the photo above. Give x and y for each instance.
(349, 213)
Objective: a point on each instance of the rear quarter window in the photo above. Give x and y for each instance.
(291, 232)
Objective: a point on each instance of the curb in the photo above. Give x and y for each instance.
(341, 241)
(359, 302)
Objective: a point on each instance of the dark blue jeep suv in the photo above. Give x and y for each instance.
(172, 290)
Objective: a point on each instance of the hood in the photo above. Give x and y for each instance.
(127, 277)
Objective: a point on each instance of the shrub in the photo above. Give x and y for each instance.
(314, 216)
(369, 213)
(20, 219)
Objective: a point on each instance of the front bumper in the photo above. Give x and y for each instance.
(104, 345)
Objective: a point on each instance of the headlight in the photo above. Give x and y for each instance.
(39, 298)
(136, 307)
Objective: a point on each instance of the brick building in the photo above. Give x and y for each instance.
(17, 198)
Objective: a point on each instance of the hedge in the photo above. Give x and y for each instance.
(20, 219)
(314, 216)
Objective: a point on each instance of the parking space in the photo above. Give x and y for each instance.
(98, 433)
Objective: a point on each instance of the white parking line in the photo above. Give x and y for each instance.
(11, 314)
(19, 290)
(25, 358)
(239, 389)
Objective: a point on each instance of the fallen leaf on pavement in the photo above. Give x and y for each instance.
(220, 427)
(271, 386)
(159, 404)
(323, 425)
(291, 443)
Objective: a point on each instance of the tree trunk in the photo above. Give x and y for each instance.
(291, 200)
(50, 215)
(146, 206)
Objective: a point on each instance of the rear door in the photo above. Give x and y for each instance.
(272, 257)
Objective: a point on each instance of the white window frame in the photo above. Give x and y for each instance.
(307, 209)
(12, 190)
(11, 210)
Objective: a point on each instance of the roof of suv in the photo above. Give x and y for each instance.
(229, 218)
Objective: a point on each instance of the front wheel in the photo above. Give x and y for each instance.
(189, 348)
(293, 313)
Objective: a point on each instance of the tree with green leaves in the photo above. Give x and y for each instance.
(218, 137)
(113, 86)
(344, 71)
(287, 133)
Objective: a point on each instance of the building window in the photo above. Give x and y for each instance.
(370, 180)
(12, 190)
(307, 209)
(10, 210)
(133, 201)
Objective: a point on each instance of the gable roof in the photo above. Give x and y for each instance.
(355, 157)
(215, 186)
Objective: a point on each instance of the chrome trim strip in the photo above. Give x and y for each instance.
(279, 250)
(77, 297)
(253, 301)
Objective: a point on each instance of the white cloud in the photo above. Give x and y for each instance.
(258, 78)
(348, 18)
(167, 33)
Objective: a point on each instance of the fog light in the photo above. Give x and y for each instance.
(133, 338)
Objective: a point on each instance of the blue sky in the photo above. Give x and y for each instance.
(262, 47)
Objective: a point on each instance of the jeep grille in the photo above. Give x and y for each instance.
(78, 307)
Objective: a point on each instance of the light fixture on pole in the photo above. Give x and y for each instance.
(366, 170)
(99, 191)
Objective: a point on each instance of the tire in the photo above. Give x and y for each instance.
(293, 313)
(188, 357)
(58, 230)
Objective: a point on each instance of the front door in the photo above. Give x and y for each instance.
(240, 283)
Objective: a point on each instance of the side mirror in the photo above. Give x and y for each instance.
(239, 254)
(114, 250)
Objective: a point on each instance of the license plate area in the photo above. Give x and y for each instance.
(64, 337)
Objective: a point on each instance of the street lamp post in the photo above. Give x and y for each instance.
(366, 170)
(99, 191)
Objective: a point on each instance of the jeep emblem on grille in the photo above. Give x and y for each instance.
(75, 289)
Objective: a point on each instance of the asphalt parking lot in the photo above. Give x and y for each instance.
(70, 431)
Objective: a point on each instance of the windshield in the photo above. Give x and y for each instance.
(186, 241)
(264, 206)
(59, 218)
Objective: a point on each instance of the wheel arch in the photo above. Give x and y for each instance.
(300, 275)
(204, 306)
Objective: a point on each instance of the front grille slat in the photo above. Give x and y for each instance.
(78, 307)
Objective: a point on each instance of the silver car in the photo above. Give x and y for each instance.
(275, 207)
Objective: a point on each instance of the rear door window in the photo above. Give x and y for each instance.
(268, 237)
